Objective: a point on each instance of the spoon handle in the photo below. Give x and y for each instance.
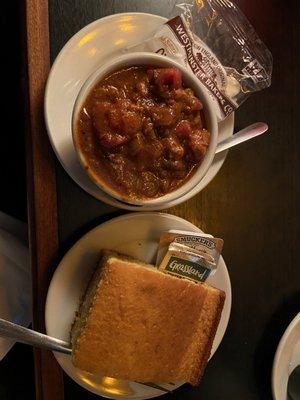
(36, 339)
(245, 134)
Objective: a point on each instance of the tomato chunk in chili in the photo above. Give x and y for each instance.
(142, 131)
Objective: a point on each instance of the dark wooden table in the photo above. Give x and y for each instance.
(253, 204)
(16, 369)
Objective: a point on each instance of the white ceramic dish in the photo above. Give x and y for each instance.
(157, 60)
(287, 357)
(91, 47)
(72, 275)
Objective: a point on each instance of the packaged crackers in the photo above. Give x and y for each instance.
(217, 43)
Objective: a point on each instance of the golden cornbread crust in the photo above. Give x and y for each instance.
(145, 325)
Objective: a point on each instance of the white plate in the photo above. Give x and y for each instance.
(83, 53)
(137, 235)
(287, 357)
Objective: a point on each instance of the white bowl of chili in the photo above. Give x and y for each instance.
(144, 129)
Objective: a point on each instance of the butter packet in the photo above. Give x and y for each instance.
(190, 255)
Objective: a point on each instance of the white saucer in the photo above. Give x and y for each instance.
(135, 234)
(287, 357)
(83, 53)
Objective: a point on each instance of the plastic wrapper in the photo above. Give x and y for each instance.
(217, 43)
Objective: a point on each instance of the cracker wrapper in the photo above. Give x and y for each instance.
(215, 41)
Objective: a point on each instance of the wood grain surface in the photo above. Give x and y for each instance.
(252, 203)
(42, 207)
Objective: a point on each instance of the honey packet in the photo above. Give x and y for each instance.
(190, 255)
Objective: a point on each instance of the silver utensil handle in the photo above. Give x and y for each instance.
(36, 339)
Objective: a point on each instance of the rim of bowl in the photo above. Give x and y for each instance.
(147, 58)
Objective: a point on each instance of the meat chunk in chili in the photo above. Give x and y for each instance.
(142, 131)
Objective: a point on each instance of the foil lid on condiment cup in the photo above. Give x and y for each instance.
(188, 255)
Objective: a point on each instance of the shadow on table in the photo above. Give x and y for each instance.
(77, 234)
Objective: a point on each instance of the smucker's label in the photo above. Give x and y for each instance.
(188, 255)
(202, 242)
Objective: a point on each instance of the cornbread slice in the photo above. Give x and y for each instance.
(140, 324)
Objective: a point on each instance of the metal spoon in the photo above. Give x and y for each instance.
(293, 388)
(28, 336)
(243, 135)
(36, 339)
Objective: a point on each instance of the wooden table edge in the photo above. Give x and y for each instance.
(41, 187)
